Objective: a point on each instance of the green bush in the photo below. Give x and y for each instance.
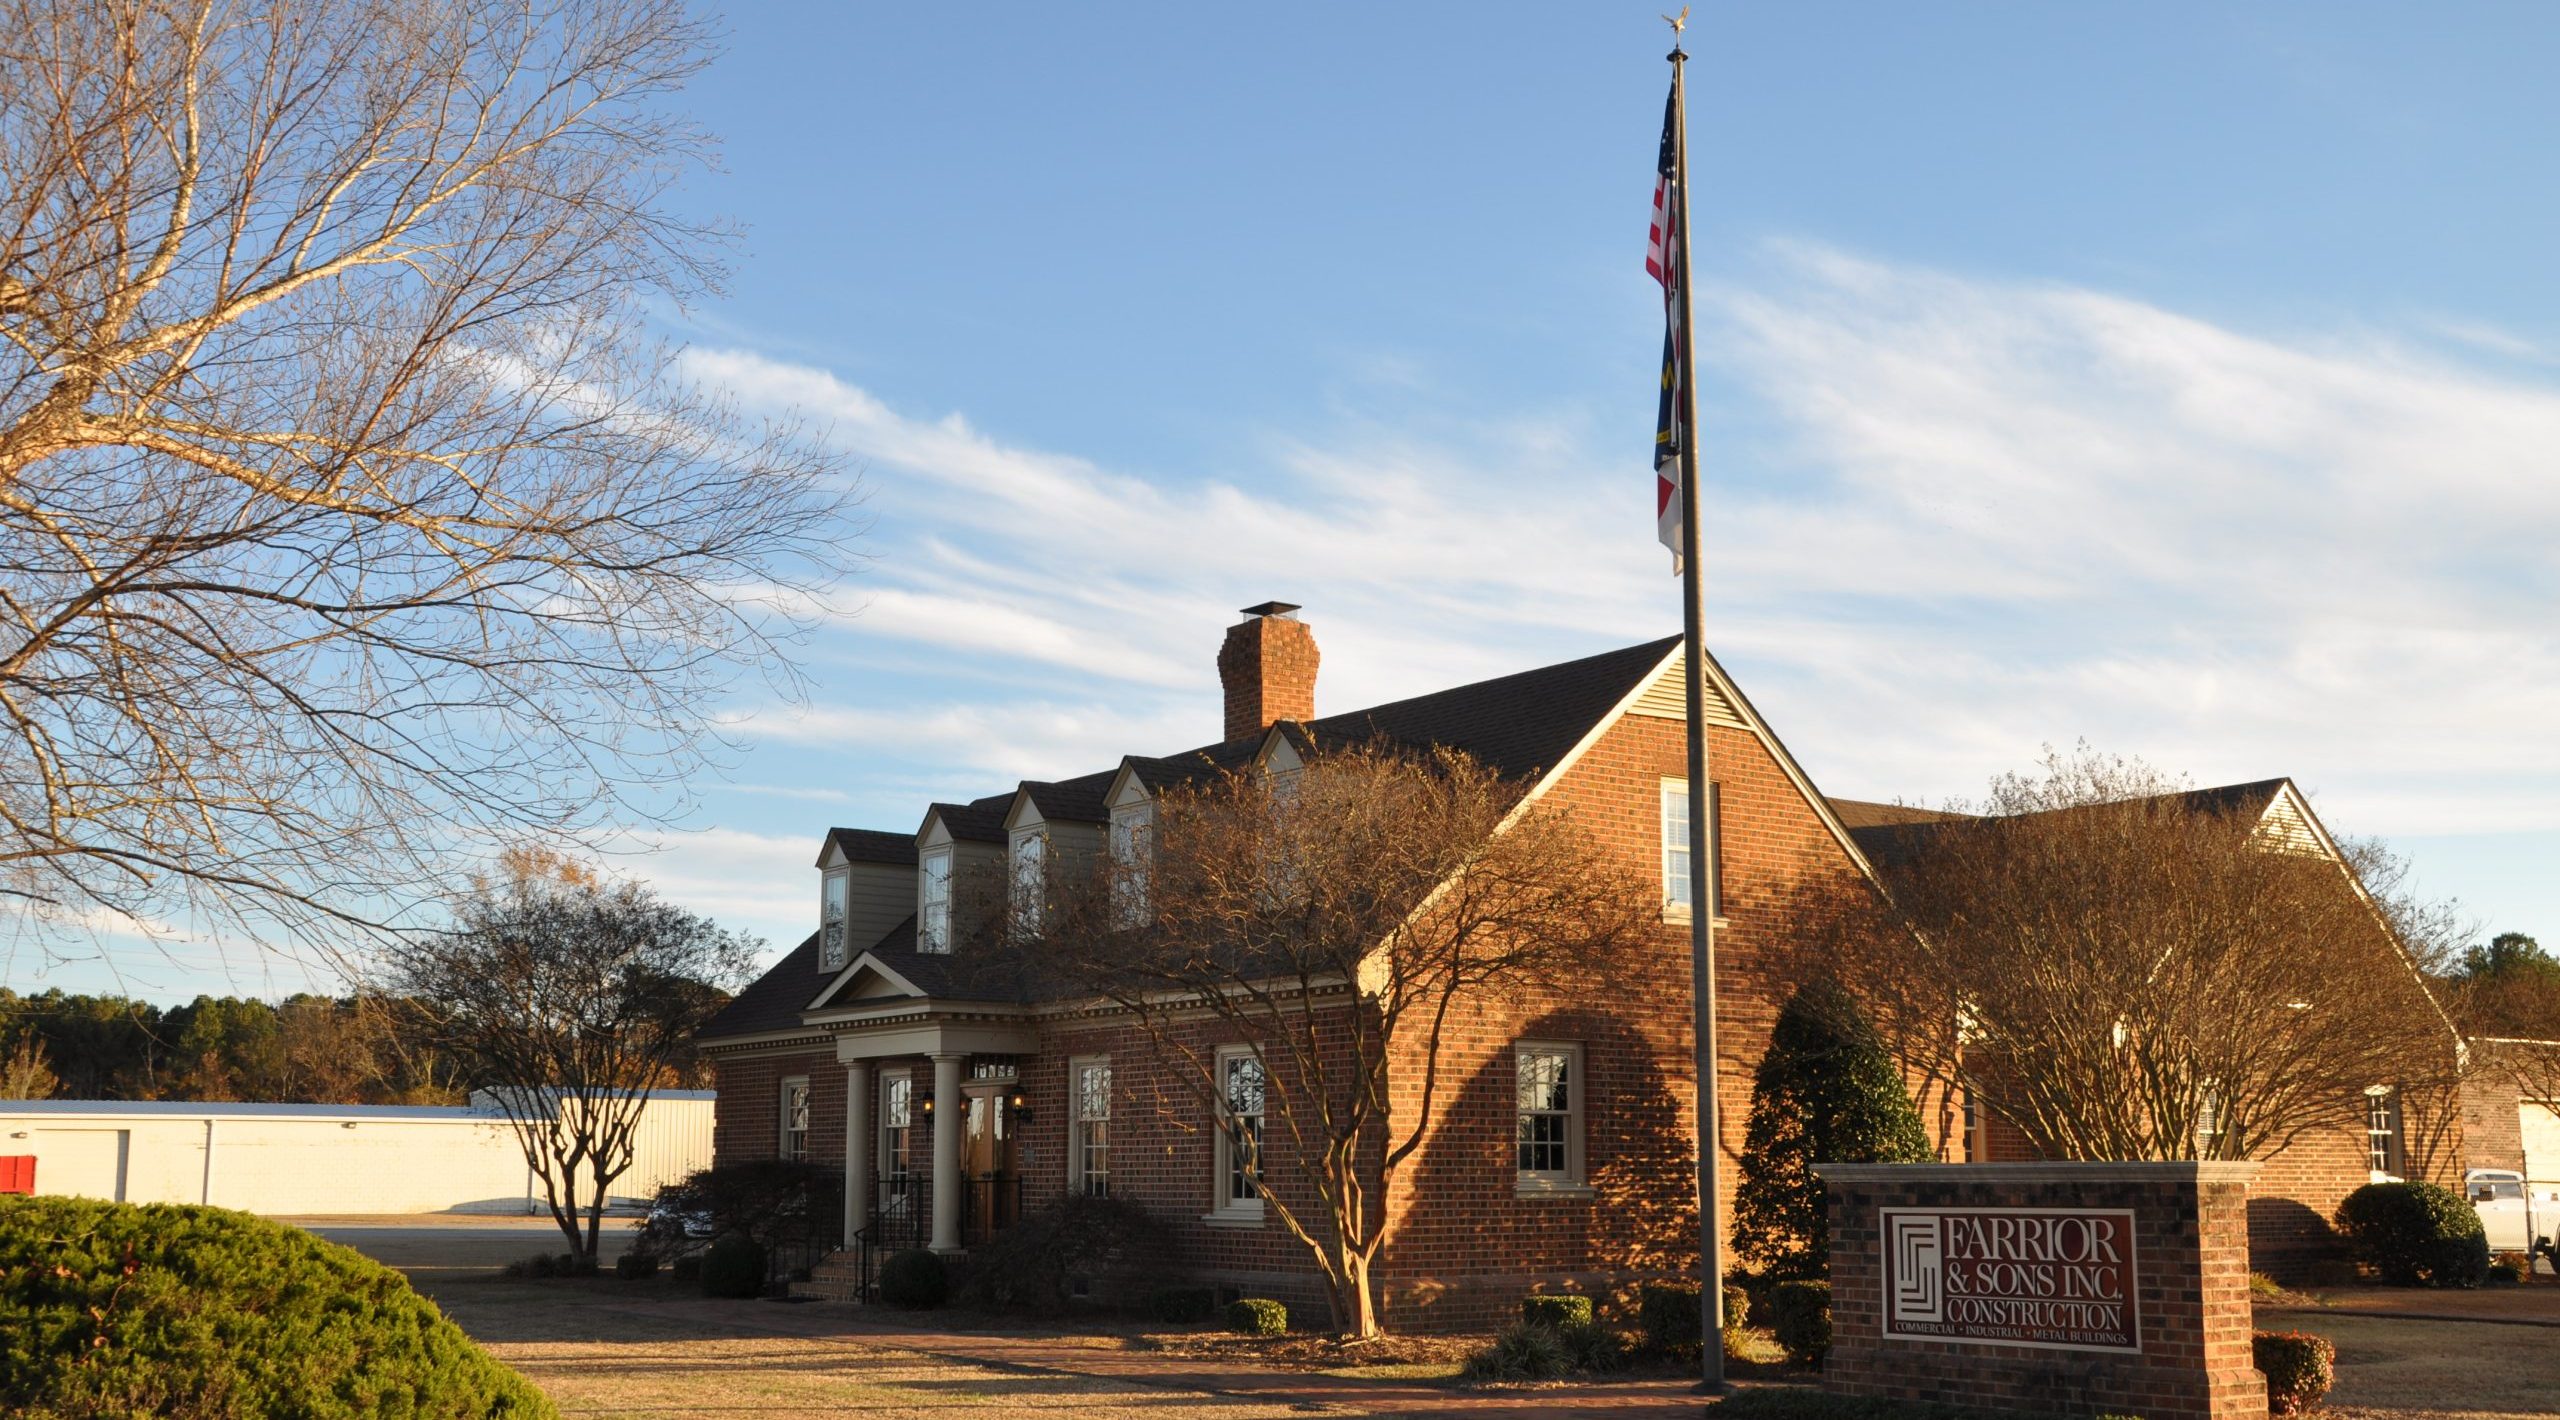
(1035, 1264)
(2416, 1234)
(1827, 1091)
(1590, 1346)
(686, 1270)
(1737, 1308)
(734, 1267)
(914, 1279)
(1182, 1306)
(2507, 1272)
(1257, 1316)
(777, 1204)
(1523, 1351)
(2299, 1368)
(636, 1265)
(117, 1309)
(1668, 1313)
(1800, 1319)
(1556, 1309)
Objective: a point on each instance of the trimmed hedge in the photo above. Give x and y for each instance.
(198, 1313)
(2299, 1368)
(1257, 1316)
(1182, 1306)
(914, 1279)
(636, 1265)
(1800, 1319)
(1556, 1309)
(734, 1267)
(2416, 1234)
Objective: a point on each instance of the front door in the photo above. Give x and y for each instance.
(986, 1162)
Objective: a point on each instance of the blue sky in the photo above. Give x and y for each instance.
(2183, 378)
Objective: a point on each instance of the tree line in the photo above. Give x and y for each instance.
(303, 1049)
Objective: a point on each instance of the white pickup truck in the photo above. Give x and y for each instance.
(2507, 1209)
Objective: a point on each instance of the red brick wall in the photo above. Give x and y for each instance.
(1459, 1192)
(2492, 1130)
(747, 1123)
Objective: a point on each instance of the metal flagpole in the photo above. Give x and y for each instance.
(1702, 923)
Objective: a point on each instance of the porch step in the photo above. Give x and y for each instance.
(832, 1280)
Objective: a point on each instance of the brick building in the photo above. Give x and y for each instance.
(953, 1106)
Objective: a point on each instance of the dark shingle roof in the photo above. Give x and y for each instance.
(1891, 843)
(1077, 800)
(871, 845)
(981, 820)
(1859, 813)
(1522, 724)
(775, 1000)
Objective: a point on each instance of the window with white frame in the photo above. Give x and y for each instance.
(2385, 1146)
(831, 902)
(1675, 847)
(795, 1117)
(897, 1125)
(1089, 1151)
(2208, 1118)
(933, 909)
(1242, 1087)
(1974, 1142)
(1548, 1106)
(1030, 856)
(1132, 825)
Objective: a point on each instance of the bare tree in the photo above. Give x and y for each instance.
(350, 517)
(26, 1073)
(2123, 969)
(1341, 922)
(570, 999)
(2507, 996)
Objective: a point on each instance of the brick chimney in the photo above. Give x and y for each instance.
(1268, 666)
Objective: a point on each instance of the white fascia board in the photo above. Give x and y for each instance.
(1127, 787)
(860, 964)
(1023, 813)
(934, 833)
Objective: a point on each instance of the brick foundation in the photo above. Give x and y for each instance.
(2190, 1287)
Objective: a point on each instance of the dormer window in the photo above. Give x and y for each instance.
(933, 901)
(1030, 878)
(831, 903)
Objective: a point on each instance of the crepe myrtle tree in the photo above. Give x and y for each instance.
(1338, 919)
(2120, 969)
(350, 514)
(570, 998)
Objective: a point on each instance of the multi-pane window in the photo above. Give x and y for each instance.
(1091, 1148)
(1675, 847)
(1131, 824)
(2383, 1132)
(933, 912)
(831, 943)
(1546, 1112)
(2208, 1120)
(1974, 1143)
(897, 1125)
(1240, 1141)
(1030, 879)
(795, 1118)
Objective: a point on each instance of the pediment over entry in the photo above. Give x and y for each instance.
(865, 978)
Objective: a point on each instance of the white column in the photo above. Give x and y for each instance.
(950, 1122)
(857, 1147)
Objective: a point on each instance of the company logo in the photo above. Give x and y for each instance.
(2056, 1278)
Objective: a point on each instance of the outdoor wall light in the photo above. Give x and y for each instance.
(1019, 1103)
(925, 1106)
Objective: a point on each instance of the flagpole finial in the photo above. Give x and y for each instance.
(1678, 23)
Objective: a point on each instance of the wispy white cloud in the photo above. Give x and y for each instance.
(1961, 518)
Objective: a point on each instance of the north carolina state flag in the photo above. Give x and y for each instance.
(1666, 259)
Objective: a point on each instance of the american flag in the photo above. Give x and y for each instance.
(1666, 259)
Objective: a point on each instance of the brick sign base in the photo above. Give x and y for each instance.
(2060, 1289)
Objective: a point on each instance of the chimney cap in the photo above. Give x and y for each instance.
(1271, 609)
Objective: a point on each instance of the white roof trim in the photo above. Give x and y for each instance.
(1022, 813)
(857, 966)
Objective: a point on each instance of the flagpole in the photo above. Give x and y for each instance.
(1702, 902)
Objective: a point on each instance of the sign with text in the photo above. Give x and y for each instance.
(2057, 1278)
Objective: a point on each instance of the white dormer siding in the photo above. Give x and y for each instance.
(859, 902)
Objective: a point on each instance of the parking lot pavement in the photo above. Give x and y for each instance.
(428, 1246)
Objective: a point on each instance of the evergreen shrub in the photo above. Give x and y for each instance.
(1522, 1351)
(636, 1265)
(1257, 1316)
(2416, 1234)
(1182, 1306)
(1827, 1091)
(1800, 1319)
(118, 1309)
(1556, 1309)
(1668, 1313)
(2299, 1368)
(1035, 1264)
(914, 1279)
(734, 1267)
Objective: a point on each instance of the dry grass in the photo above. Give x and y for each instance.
(611, 1349)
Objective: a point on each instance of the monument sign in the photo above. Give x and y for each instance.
(2059, 1278)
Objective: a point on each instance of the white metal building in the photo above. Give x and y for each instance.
(317, 1158)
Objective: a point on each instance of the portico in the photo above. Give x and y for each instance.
(962, 1111)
